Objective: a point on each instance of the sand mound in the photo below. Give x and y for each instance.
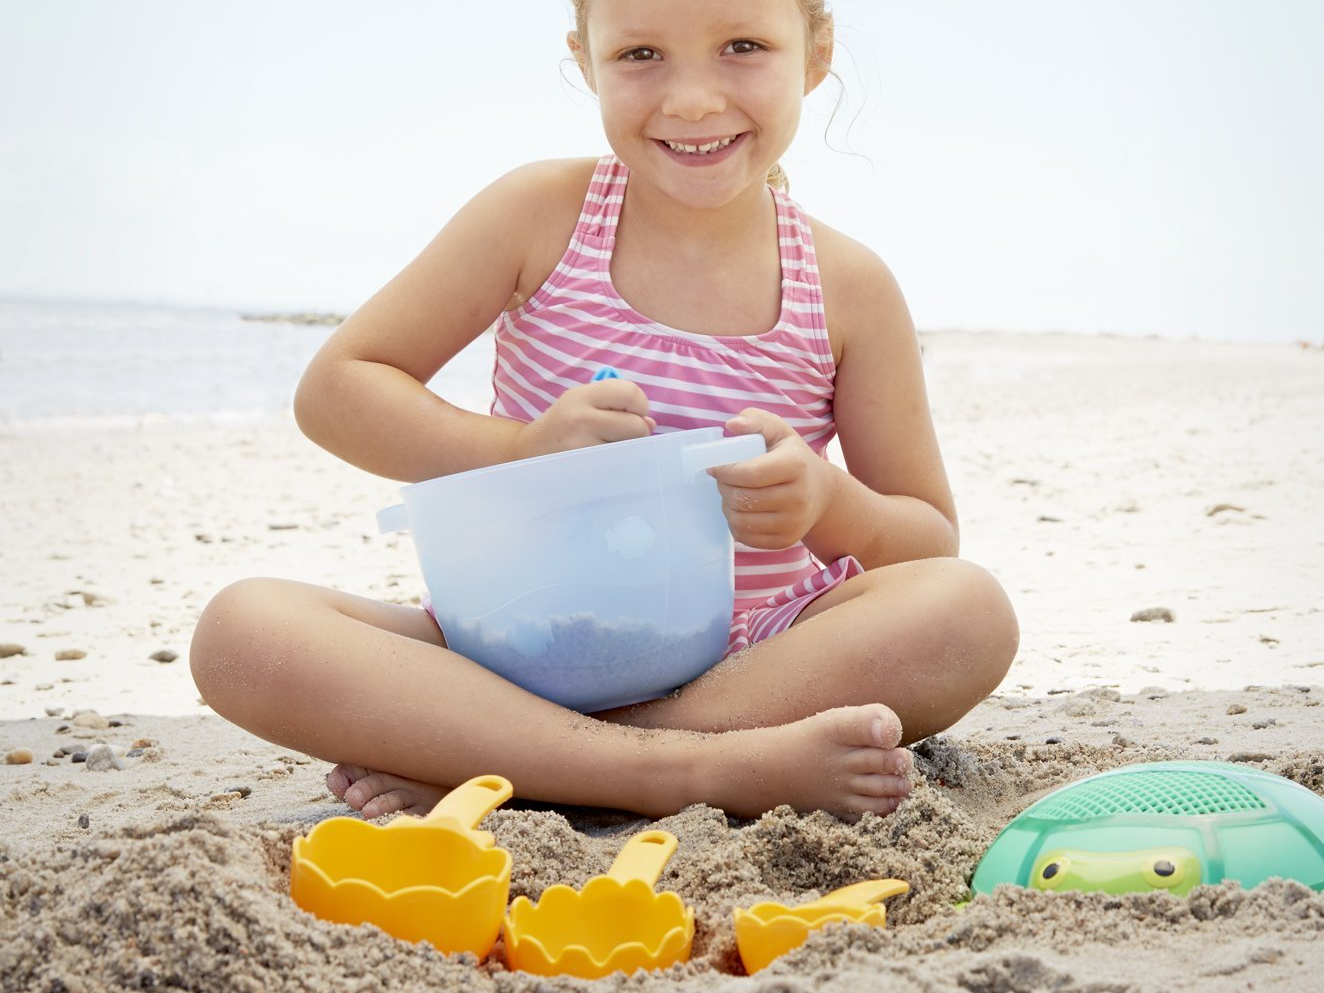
(199, 901)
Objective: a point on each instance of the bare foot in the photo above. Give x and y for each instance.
(376, 794)
(845, 761)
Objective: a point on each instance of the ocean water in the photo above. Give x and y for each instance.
(71, 361)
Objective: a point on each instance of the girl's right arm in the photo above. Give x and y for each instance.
(363, 396)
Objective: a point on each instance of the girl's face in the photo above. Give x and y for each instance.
(699, 97)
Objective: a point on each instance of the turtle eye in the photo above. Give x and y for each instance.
(1164, 873)
(1051, 871)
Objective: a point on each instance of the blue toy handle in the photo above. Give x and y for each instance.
(606, 372)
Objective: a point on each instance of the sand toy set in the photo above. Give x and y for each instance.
(439, 879)
(1162, 826)
(1167, 826)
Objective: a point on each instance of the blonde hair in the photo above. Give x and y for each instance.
(818, 21)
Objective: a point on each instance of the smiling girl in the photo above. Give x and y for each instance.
(677, 261)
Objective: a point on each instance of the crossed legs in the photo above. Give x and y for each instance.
(813, 717)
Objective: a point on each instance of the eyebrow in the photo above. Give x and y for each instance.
(739, 26)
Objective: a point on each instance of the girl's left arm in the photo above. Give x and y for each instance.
(893, 502)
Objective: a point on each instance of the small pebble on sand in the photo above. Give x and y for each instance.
(102, 758)
(164, 655)
(1078, 708)
(70, 655)
(9, 650)
(90, 719)
(1150, 614)
(19, 756)
(54, 711)
(1236, 708)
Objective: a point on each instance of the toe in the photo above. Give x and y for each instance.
(389, 802)
(881, 762)
(898, 762)
(869, 726)
(885, 727)
(881, 786)
(342, 777)
(367, 788)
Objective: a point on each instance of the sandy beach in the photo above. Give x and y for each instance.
(1103, 479)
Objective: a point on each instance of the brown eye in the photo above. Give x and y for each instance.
(640, 55)
(1164, 868)
(743, 47)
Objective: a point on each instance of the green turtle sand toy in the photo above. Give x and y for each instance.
(1162, 826)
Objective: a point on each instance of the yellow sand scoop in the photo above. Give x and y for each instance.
(615, 923)
(768, 930)
(434, 878)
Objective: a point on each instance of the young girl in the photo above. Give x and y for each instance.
(720, 302)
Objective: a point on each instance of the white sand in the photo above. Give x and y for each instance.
(1095, 476)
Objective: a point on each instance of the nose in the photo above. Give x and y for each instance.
(693, 93)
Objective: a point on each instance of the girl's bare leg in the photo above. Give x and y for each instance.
(930, 638)
(370, 686)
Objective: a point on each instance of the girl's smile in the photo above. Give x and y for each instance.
(701, 151)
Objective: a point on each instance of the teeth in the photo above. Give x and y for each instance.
(704, 149)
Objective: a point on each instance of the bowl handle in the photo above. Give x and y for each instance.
(392, 519)
(706, 454)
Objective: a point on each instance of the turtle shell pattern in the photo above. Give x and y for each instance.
(1162, 826)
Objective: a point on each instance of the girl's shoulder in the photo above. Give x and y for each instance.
(550, 174)
(534, 209)
(545, 190)
(859, 290)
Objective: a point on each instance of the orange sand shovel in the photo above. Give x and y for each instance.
(768, 930)
(433, 879)
(615, 923)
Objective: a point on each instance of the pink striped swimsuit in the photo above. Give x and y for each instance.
(576, 323)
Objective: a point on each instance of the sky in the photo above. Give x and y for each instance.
(1123, 166)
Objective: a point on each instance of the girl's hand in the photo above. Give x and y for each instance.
(597, 412)
(774, 500)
